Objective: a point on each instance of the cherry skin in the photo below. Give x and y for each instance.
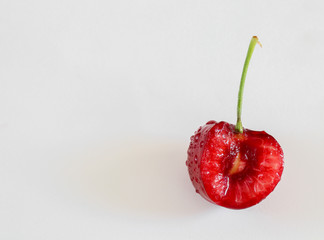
(231, 169)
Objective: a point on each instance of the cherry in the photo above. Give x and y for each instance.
(232, 166)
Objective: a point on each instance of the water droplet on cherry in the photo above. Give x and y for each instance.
(197, 137)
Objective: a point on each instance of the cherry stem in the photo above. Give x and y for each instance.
(254, 41)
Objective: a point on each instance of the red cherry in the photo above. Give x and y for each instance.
(231, 169)
(232, 166)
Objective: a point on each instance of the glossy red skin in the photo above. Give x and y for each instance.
(211, 155)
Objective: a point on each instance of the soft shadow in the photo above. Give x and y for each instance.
(141, 177)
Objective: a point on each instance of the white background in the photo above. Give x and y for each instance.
(98, 100)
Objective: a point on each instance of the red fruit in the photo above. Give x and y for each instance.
(231, 169)
(232, 166)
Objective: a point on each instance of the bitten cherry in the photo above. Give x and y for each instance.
(232, 166)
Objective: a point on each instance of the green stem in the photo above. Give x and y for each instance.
(254, 41)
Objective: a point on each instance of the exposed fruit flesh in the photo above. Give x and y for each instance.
(234, 170)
